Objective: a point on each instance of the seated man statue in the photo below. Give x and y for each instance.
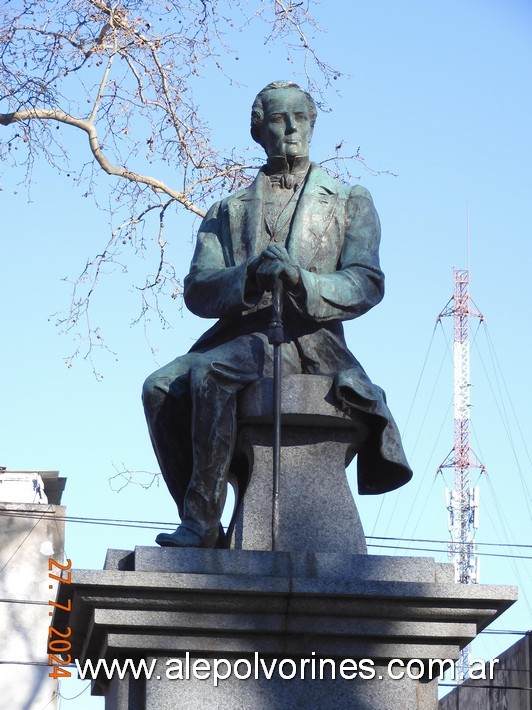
(321, 239)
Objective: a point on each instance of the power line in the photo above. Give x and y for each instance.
(155, 525)
(505, 632)
(490, 632)
(430, 549)
(24, 663)
(443, 542)
(76, 696)
(39, 518)
(419, 381)
(501, 408)
(24, 601)
(116, 522)
(478, 686)
(516, 418)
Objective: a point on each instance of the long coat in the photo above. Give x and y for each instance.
(334, 239)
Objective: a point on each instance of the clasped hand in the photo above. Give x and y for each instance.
(274, 263)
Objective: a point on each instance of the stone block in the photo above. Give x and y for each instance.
(240, 605)
(317, 512)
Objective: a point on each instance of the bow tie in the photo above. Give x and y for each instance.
(278, 171)
(286, 180)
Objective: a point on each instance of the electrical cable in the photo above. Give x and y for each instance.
(428, 549)
(496, 359)
(444, 542)
(153, 524)
(499, 402)
(23, 541)
(75, 696)
(419, 380)
(484, 686)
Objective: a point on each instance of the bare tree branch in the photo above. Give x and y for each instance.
(124, 477)
(96, 149)
(123, 72)
(341, 164)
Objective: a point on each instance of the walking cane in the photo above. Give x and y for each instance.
(275, 337)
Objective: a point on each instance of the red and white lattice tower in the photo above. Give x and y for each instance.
(462, 500)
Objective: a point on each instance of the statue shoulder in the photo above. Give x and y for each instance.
(220, 206)
(223, 204)
(341, 188)
(358, 191)
(360, 202)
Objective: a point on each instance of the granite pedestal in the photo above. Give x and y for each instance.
(317, 510)
(242, 609)
(313, 624)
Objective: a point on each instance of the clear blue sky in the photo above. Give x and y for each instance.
(438, 93)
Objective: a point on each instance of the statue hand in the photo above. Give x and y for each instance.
(276, 251)
(271, 253)
(271, 269)
(286, 269)
(273, 263)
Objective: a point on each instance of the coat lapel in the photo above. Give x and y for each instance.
(313, 215)
(246, 219)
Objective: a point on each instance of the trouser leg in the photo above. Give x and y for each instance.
(214, 387)
(215, 380)
(212, 380)
(168, 409)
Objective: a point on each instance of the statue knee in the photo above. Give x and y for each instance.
(203, 374)
(152, 394)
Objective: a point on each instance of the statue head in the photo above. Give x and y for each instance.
(282, 119)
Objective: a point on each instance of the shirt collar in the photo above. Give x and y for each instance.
(278, 164)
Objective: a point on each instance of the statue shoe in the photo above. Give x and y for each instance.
(184, 537)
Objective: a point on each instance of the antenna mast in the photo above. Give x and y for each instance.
(462, 500)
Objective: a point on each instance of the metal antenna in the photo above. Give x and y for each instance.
(462, 500)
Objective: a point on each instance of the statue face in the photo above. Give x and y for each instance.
(286, 129)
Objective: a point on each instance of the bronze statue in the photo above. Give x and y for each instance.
(321, 239)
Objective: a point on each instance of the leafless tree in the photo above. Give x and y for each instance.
(122, 73)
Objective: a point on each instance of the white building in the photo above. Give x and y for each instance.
(32, 524)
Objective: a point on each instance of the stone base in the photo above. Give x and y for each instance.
(277, 693)
(317, 512)
(228, 605)
(314, 514)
